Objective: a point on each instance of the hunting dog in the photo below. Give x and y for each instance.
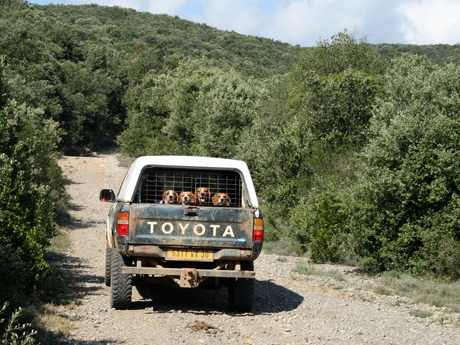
(202, 195)
(170, 197)
(221, 199)
(186, 198)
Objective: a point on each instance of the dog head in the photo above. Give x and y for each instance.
(170, 197)
(202, 195)
(186, 198)
(221, 199)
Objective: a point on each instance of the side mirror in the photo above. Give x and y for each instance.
(107, 195)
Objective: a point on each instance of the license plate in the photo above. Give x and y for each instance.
(189, 255)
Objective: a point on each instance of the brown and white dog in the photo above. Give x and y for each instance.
(202, 195)
(221, 199)
(186, 198)
(170, 197)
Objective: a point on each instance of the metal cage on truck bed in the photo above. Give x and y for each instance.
(155, 181)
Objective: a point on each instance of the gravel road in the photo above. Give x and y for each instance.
(289, 308)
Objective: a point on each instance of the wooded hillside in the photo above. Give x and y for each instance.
(354, 148)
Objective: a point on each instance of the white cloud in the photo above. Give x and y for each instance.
(238, 15)
(301, 22)
(171, 7)
(431, 21)
(295, 21)
(308, 21)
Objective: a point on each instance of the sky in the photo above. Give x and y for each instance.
(305, 22)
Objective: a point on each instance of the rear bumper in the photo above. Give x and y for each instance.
(198, 273)
(186, 277)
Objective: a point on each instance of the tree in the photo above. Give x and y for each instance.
(12, 5)
(194, 109)
(307, 135)
(30, 182)
(406, 203)
(334, 87)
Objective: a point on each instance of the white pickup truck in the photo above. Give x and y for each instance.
(186, 222)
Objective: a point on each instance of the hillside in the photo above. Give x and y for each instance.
(126, 28)
(436, 53)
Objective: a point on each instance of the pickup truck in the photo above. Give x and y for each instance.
(208, 239)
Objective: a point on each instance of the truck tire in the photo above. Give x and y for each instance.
(108, 265)
(121, 284)
(241, 291)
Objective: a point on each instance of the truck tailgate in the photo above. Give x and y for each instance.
(189, 226)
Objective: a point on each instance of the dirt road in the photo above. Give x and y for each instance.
(289, 308)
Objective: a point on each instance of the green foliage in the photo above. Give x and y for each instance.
(12, 5)
(334, 87)
(322, 228)
(27, 214)
(125, 29)
(13, 333)
(438, 54)
(407, 195)
(343, 52)
(30, 183)
(318, 117)
(193, 109)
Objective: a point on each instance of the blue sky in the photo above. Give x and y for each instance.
(304, 22)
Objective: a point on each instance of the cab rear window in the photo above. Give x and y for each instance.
(225, 186)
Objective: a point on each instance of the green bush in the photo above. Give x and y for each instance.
(321, 228)
(27, 211)
(405, 209)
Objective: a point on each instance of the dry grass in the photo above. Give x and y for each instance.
(426, 291)
(417, 290)
(283, 247)
(303, 267)
(125, 161)
(44, 312)
(60, 243)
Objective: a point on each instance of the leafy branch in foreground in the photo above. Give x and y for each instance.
(14, 333)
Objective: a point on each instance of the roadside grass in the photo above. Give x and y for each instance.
(125, 161)
(303, 267)
(423, 290)
(420, 313)
(418, 290)
(44, 310)
(59, 243)
(282, 247)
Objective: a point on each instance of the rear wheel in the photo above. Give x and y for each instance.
(108, 266)
(121, 284)
(241, 291)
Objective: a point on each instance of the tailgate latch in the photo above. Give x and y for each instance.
(192, 211)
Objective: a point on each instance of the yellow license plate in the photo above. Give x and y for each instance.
(189, 255)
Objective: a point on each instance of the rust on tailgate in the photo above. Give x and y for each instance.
(207, 227)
